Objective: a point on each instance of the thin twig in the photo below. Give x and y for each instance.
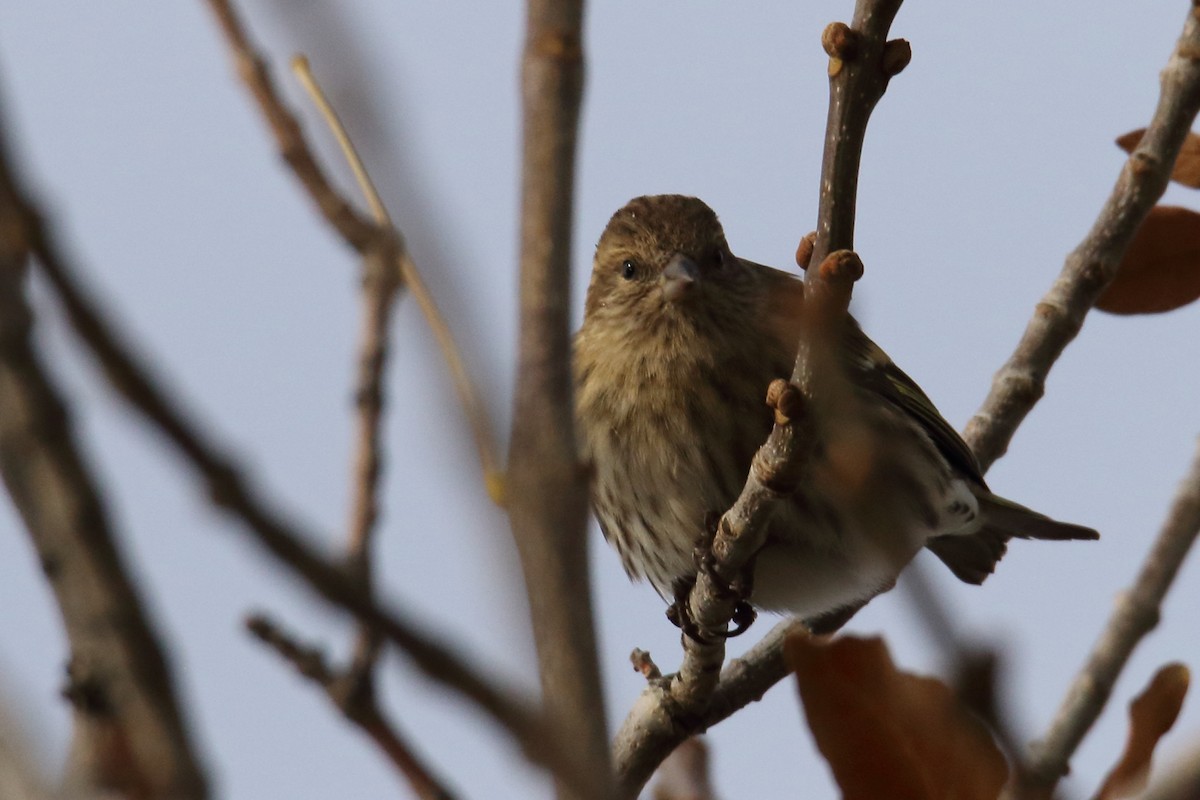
(406, 274)
(380, 283)
(379, 286)
(654, 727)
(310, 662)
(130, 735)
(378, 292)
(468, 394)
(1136, 614)
(302, 69)
(354, 686)
(862, 62)
(547, 501)
(1089, 268)
(360, 233)
(643, 663)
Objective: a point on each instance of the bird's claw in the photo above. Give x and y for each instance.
(743, 617)
(679, 612)
(680, 615)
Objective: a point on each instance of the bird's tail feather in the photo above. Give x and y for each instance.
(973, 557)
(1019, 522)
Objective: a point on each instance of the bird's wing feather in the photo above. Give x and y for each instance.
(870, 368)
(880, 374)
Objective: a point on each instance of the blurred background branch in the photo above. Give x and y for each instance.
(355, 698)
(130, 734)
(1136, 614)
(230, 490)
(547, 497)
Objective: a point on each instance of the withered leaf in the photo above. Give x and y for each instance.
(1187, 166)
(1161, 268)
(1151, 714)
(888, 733)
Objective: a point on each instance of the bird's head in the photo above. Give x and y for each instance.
(662, 258)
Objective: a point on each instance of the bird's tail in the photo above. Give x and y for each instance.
(972, 558)
(1019, 522)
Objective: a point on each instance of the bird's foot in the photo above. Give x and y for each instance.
(738, 589)
(680, 614)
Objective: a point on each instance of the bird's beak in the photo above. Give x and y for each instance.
(679, 278)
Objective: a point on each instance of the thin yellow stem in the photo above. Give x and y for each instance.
(468, 395)
(308, 80)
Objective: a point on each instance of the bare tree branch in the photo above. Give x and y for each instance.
(1059, 317)
(379, 286)
(1021, 382)
(345, 692)
(547, 497)
(380, 282)
(654, 727)
(386, 266)
(862, 62)
(129, 729)
(1136, 614)
(1089, 268)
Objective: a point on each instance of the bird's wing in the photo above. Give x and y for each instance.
(874, 370)
(869, 368)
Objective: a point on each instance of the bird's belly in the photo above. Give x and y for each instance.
(661, 472)
(854, 526)
(651, 500)
(819, 562)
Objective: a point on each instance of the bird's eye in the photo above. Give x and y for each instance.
(628, 269)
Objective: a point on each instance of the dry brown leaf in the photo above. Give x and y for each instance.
(1161, 268)
(888, 733)
(1187, 166)
(1151, 714)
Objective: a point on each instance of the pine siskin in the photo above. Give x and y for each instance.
(679, 342)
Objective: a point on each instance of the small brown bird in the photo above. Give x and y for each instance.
(679, 342)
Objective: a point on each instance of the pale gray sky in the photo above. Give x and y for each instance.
(985, 164)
